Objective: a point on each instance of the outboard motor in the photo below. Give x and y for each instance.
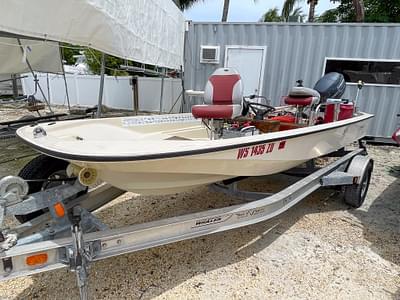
(333, 86)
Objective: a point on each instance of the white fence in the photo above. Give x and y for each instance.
(150, 94)
(83, 90)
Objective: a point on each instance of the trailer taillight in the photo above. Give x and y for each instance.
(59, 209)
(36, 259)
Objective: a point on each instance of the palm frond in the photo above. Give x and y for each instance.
(185, 4)
(288, 7)
(272, 15)
(297, 12)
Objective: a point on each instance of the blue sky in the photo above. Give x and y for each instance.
(242, 10)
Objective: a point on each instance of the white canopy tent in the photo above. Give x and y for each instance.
(42, 56)
(146, 31)
(22, 55)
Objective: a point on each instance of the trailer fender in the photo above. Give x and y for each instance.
(361, 168)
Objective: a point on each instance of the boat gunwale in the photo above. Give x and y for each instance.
(144, 157)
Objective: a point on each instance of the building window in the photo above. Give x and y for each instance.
(369, 71)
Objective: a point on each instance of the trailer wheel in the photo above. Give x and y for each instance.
(41, 167)
(354, 195)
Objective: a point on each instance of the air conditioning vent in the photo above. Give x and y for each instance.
(209, 55)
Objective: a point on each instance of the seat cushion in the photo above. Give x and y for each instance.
(224, 87)
(305, 101)
(206, 111)
(303, 92)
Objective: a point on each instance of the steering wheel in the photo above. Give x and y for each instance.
(257, 110)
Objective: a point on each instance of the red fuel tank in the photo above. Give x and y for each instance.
(346, 112)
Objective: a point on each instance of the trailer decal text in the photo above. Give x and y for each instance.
(212, 220)
(250, 213)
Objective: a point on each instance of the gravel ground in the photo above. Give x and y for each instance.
(318, 249)
(9, 112)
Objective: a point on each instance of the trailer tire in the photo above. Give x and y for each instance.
(355, 194)
(41, 167)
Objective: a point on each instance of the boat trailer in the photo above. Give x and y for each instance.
(67, 234)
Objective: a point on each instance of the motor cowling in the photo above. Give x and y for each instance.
(331, 85)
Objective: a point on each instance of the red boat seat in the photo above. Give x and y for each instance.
(298, 101)
(302, 96)
(223, 96)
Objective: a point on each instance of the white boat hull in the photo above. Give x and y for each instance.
(167, 169)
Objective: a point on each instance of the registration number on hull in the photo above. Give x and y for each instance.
(258, 150)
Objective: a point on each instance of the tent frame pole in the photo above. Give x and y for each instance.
(101, 89)
(33, 74)
(48, 87)
(183, 104)
(65, 80)
(14, 86)
(162, 94)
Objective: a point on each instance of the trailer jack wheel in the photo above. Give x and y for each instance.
(355, 194)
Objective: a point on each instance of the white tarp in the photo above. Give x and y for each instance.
(43, 56)
(147, 31)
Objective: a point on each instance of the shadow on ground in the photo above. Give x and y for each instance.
(381, 224)
(149, 273)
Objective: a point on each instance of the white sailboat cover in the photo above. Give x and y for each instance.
(147, 31)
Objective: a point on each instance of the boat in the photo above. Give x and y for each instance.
(227, 137)
(396, 136)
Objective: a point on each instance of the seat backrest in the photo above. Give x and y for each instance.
(224, 87)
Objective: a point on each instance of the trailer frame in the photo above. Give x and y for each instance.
(78, 238)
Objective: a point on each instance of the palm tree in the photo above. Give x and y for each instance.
(311, 12)
(225, 11)
(272, 15)
(359, 8)
(288, 7)
(296, 15)
(289, 4)
(185, 4)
